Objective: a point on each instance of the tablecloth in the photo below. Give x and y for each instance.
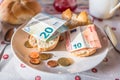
(108, 69)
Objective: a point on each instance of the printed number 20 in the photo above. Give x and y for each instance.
(78, 45)
(46, 32)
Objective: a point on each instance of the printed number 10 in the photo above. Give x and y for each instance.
(78, 45)
(46, 32)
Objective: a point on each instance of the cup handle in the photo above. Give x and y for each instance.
(115, 8)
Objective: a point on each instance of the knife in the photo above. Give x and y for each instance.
(112, 37)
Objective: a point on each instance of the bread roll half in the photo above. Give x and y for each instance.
(75, 20)
(42, 45)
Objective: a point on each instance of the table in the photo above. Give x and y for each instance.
(108, 69)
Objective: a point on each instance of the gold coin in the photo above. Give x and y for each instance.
(65, 61)
(45, 56)
(27, 44)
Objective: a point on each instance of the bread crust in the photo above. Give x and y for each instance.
(18, 11)
(83, 18)
(67, 14)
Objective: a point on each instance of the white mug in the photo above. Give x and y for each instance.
(103, 9)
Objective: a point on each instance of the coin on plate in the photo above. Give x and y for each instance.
(34, 55)
(45, 56)
(27, 45)
(35, 61)
(52, 63)
(65, 61)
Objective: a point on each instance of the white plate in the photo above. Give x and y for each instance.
(79, 65)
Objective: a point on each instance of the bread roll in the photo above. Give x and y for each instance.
(18, 11)
(74, 20)
(42, 45)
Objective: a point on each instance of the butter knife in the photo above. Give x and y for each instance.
(112, 38)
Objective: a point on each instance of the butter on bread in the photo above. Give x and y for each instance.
(42, 45)
(74, 20)
(18, 11)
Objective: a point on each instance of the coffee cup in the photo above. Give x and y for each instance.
(103, 9)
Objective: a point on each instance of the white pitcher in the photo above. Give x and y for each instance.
(103, 9)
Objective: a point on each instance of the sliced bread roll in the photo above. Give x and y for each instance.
(42, 45)
(74, 20)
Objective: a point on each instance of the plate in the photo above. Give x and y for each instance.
(79, 65)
